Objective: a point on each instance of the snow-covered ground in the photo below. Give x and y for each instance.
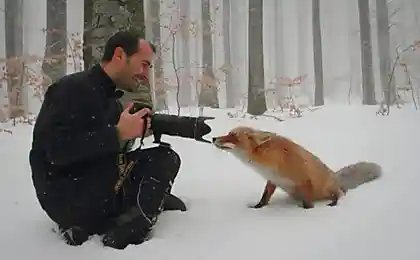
(378, 220)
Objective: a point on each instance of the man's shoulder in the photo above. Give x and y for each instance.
(71, 83)
(76, 79)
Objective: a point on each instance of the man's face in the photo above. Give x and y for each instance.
(134, 68)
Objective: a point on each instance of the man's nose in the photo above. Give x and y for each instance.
(144, 71)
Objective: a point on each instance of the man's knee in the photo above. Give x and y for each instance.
(170, 159)
(163, 161)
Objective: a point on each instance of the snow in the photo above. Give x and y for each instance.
(378, 220)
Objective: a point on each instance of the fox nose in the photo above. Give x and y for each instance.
(213, 139)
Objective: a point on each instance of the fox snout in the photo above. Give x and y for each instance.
(225, 141)
(216, 141)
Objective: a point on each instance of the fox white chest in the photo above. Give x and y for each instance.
(268, 174)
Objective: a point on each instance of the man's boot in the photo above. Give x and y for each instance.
(136, 230)
(172, 202)
(74, 236)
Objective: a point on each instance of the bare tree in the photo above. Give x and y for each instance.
(54, 65)
(135, 21)
(160, 91)
(184, 33)
(281, 92)
(107, 18)
(318, 63)
(209, 87)
(257, 104)
(88, 25)
(368, 81)
(354, 76)
(230, 90)
(14, 63)
(384, 52)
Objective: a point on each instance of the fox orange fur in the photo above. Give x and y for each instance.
(289, 166)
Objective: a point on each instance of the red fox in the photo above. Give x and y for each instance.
(289, 166)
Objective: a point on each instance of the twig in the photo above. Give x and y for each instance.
(271, 116)
(392, 76)
(3, 130)
(410, 84)
(176, 73)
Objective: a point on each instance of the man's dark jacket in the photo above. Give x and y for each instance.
(75, 146)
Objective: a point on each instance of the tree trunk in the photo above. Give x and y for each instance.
(15, 67)
(256, 92)
(230, 89)
(317, 45)
(88, 59)
(353, 50)
(109, 17)
(160, 86)
(136, 18)
(281, 91)
(55, 59)
(384, 52)
(185, 95)
(209, 87)
(368, 81)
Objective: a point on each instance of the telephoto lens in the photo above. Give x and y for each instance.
(181, 126)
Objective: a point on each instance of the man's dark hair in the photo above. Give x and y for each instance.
(127, 40)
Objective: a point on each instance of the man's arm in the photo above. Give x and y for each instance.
(79, 130)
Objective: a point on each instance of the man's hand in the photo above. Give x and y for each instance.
(131, 126)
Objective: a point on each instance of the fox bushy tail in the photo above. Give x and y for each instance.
(354, 175)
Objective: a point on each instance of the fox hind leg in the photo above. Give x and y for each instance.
(333, 203)
(335, 196)
(267, 194)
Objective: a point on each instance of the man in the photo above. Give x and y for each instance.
(83, 180)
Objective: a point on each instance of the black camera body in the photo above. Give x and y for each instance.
(182, 126)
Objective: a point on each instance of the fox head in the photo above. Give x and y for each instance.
(241, 138)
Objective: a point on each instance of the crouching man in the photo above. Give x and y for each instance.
(84, 181)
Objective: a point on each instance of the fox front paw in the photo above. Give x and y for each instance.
(333, 204)
(307, 205)
(257, 206)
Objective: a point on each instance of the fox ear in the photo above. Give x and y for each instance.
(260, 138)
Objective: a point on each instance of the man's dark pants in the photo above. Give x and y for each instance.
(128, 212)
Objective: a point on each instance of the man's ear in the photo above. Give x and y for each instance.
(119, 53)
(261, 137)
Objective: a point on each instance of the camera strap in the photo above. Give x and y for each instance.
(124, 167)
(144, 132)
(124, 170)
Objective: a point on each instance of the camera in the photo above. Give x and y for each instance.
(182, 126)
